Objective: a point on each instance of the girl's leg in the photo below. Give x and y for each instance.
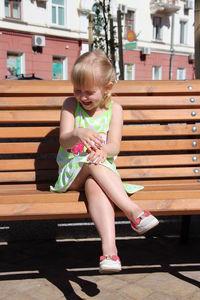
(102, 213)
(112, 186)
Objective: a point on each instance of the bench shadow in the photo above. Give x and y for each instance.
(67, 262)
(46, 167)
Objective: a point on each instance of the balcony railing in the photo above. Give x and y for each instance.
(167, 7)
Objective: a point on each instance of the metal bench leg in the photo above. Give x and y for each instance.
(185, 228)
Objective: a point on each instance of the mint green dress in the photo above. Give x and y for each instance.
(70, 161)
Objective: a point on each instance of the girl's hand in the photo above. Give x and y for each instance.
(91, 139)
(97, 157)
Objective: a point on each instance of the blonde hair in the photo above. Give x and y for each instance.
(94, 69)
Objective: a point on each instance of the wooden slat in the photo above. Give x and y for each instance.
(137, 116)
(27, 164)
(64, 87)
(165, 115)
(128, 130)
(28, 132)
(134, 173)
(31, 102)
(149, 185)
(29, 116)
(131, 146)
(122, 161)
(28, 176)
(56, 101)
(158, 160)
(159, 173)
(156, 87)
(159, 145)
(141, 101)
(28, 196)
(53, 206)
(37, 211)
(44, 87)
(25, 148)
(157, 130)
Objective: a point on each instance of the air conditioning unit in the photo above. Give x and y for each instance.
(123, 8)
(38, 41)
(188, 4)
(146, 50)
(191, 57)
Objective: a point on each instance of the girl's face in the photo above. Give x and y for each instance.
(89, 98)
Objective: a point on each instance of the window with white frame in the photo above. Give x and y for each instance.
(183, 32)
(13, 9)
(59, 68)
(129, 71)
(59, 12)
(15, 64)
(181, 74)
(156, 72)
(157, 28)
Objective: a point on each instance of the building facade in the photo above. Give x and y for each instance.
(44, 37)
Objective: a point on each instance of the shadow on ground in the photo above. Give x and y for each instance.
(66, 261)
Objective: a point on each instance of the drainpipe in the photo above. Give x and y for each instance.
(172, 49)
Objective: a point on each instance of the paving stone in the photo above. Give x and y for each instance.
(136, 292)
(161, 296)
(195, 296)
(167, 282)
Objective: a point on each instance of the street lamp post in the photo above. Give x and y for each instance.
(197, 39)
(120, 46)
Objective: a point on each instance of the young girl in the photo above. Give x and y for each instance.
(90, 136)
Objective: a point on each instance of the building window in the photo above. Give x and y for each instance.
(181, 74)
(59, 68)
(13, 9)
(58, 12)
(183, 32)
(156, 73)
(157, 28)
(129, 22)
(129, 72)
(15, 64)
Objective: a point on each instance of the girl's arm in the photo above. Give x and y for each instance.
(68, 137)
(112, 146)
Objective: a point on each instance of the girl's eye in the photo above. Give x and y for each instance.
(77, 91)
(89, 93)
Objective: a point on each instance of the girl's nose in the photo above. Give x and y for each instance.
(83, 96)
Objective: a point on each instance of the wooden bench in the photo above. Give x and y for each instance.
(159, 149)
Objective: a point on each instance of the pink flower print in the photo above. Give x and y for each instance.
(78, 148)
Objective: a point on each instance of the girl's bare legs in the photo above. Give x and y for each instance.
(111, 185)
(102, 213)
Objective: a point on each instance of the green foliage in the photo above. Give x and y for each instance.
(104, 39)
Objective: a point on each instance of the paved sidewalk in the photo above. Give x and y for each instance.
(153, 268)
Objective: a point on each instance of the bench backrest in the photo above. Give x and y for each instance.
(160, 134)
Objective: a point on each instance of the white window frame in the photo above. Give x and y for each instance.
(126, 65)
(66, 14)
(181, 73)
(65, 66)
(22, 61)
(159, 72)
(20, 11)
(154, 29)
(185, 22)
